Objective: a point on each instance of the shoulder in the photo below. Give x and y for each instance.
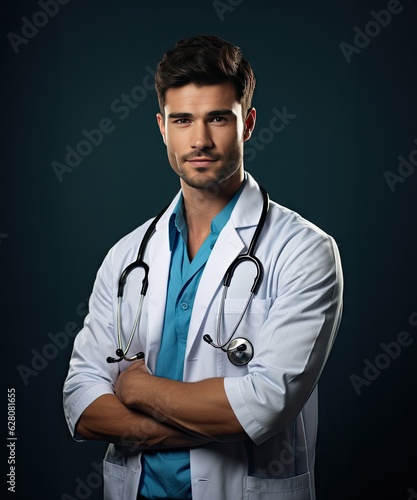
(131, 240)
(282, 223)
(295, 240)
(287, 236)
(122, 253)
(286, 224)
(126, 249)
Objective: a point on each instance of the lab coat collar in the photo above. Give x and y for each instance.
(249, 206)
(241, 217)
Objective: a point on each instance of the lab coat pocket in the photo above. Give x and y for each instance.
(114, 478)
(248, 329)
(291, 488)
(114, 475)
(252, 321)
(254, 317)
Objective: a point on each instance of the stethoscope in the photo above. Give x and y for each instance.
(239, 350)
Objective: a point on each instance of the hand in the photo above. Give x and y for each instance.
(129, 382)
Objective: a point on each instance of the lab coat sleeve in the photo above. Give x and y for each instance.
(89, 375)
(293, 344)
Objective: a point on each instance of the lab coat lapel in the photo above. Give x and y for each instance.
(231, 242)
(227, 248)
(158, 256)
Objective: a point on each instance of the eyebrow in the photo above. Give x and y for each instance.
(215, 112)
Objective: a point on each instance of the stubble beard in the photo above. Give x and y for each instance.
(205, 180)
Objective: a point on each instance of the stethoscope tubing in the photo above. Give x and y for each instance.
(220, 317)
(139, 263)
(249, 255)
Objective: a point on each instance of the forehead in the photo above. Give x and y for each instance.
(193, 99)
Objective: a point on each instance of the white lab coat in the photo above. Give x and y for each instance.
(291, 322)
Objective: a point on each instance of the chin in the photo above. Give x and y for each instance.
(199, 183)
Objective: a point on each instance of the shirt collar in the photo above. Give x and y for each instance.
(178, 224)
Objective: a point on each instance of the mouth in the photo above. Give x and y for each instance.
(201, 162)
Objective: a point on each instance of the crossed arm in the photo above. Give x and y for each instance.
(155, 413)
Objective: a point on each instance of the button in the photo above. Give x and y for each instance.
(184, 306)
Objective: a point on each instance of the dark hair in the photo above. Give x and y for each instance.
(205, 60)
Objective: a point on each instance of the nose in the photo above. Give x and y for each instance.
(201, 137)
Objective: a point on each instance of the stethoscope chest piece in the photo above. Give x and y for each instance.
(240, 351)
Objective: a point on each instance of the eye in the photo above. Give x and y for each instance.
(181, 121)
(218, 119)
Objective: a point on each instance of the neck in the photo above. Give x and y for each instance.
(201, 206)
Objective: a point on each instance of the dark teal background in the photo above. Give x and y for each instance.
(353, 121)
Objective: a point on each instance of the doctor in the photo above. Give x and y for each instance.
(186, 422)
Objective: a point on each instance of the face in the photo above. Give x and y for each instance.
(204, 132)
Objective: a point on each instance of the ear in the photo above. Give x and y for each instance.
(250, 121)
(161, 125)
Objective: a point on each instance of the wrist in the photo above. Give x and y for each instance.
(132, 391)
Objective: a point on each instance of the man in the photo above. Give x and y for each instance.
(193, 420)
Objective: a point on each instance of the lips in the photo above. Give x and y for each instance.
(201, 161)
